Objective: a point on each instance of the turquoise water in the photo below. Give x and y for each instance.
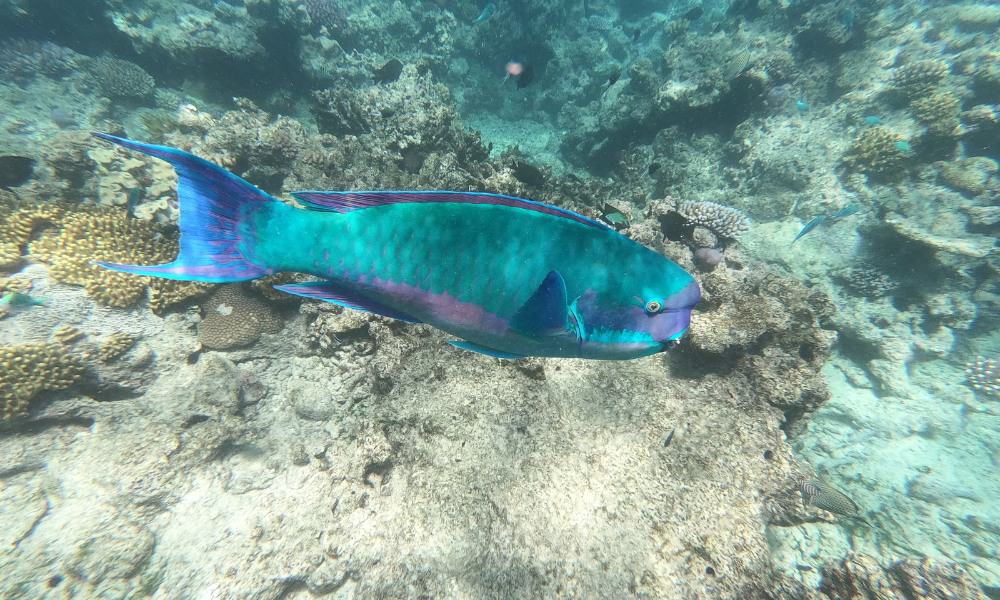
(826, 171)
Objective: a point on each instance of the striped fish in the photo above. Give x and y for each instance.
(510, 277)
(828, 498)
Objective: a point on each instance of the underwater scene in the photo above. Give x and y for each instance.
(470, 299)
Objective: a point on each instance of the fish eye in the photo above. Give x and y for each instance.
(653, 307)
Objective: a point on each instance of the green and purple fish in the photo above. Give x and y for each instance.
(510, 277)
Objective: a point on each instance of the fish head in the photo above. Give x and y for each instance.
(632, 323)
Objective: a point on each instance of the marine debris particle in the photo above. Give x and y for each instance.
(15, 170)
(830, 499)
(389, 72)
(27, 369)
(722, 220)
(983, 375)
(232, 318)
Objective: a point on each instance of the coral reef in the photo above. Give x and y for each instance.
(233, 318)
(114, 345)
(17, 225)
(24, 59)
(916, 79)
(869, 282)
(28, 369)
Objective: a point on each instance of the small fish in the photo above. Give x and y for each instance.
(435, 257)
(20, 300)
(613, 78)
(740, 65)
(693, 14)
(801, 105)
(134, 197)
(815, 222)
(614, 217)
(904, 147)
(670, 438)
(847, 211)
(812, 224)
(389, 72)
(873, 120)
(830, 499)
(486, 13)
(15, 171)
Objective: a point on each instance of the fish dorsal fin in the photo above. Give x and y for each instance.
(343, 202)
(546, 311)
(327, 291)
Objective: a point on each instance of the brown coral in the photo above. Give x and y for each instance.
(86, 237)
(939, 112)
(114, 346)
(876, 151)
(918, 78)
(17, 225)
(233, 318)
(27, 369)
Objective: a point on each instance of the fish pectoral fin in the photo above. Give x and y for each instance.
(471, 347)
(328, 291)
(545, 313)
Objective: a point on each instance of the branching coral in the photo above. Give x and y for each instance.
(723, 220)
(233, 318)
(27, 369)
(918, 78)
(16, 228)
(114, 346)
(877, 151)
(119, 78)
(86, 237)
(939, 112)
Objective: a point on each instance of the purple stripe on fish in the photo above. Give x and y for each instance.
(343, 202)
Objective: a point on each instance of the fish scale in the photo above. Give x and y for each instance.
(508, 276)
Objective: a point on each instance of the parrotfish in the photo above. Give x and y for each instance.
(508, 276)
(486, 13)
(816, 221)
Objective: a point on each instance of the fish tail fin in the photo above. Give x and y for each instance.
(217, 238)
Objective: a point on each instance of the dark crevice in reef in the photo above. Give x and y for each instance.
(36, 426)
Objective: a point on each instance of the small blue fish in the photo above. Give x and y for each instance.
(904, 147)
(801, 105)
(873, 120)
(19, 300)
(815, 222)
(812, 224)
(486, 13)
(134, 195)
(847, 211)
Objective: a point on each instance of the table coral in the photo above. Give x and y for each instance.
(27, 369)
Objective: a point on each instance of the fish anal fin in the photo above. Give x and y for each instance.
(472, 347)
(328, 291)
